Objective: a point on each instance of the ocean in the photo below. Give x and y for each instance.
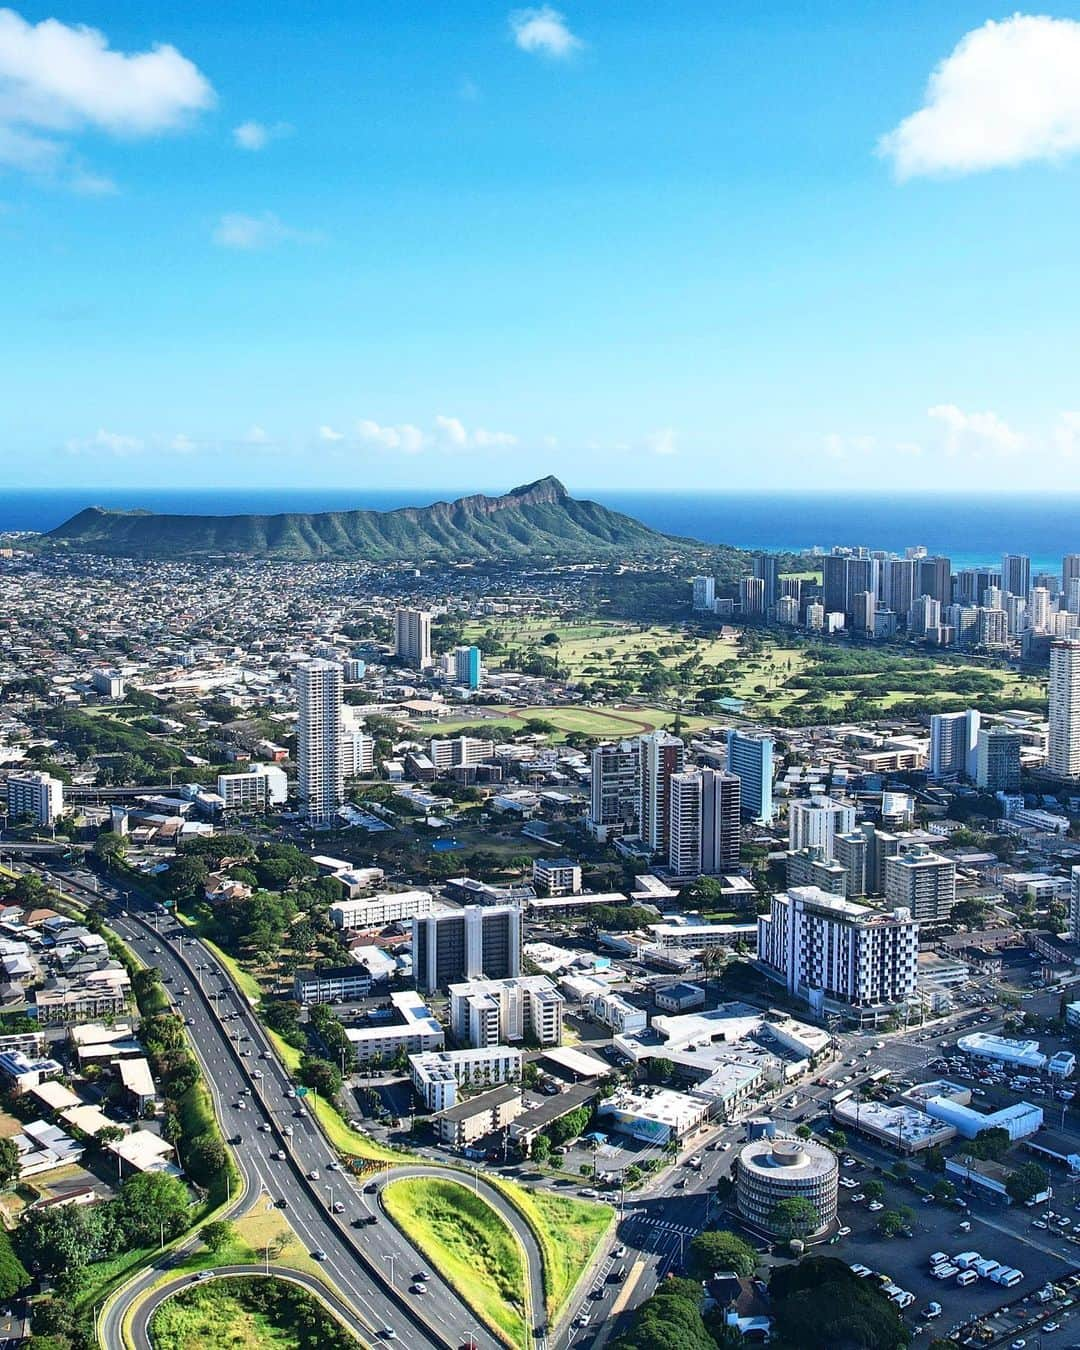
(972, 530)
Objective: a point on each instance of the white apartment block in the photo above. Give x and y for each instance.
(376, 911)
(437, 1076)
(108, 682)
(1064, 744)
(448, 753)
(827, 947)
(684, 843)
(412, 637)
(816, 821)
(488, 1012)
(557, 876)
(954, 738)
(260, 786)
(416, 1030)
(704, 597)
(662, 755)
(614, 1011)
(319, 686)
(922, 882)
(357, 754)
(37, 795)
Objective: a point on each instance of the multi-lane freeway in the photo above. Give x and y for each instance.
(371, 1265)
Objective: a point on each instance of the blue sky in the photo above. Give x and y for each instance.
(636, 245)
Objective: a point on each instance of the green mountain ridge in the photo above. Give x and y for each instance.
(536, 520)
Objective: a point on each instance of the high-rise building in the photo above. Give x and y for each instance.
(997, 759)
(1074, 904)
(1064, 757)
(863, 611)
(704, 596)
(357, 753)
(935, 579)
(972, 583)
(35, 796)
(1070, 571)
(412, 637)
(824, 947)
(752, 596)
(993, 628)
(319, 686)
(684, 845)
(810, 867)
(900, 584)
(767, 569)
(1039, 609)
(468, 667)
(1072, 595)
(490, 1012)
(787, 610)
(815, 616)
(1016, 574)
(953, 741)
(925, 616)
(750, 755)
(721, 820)
(1016, 614)
(661, 756)
(851, 854)
(816, 821)
(921, 881)
(477, 942)
(834, 581)
(615, 789)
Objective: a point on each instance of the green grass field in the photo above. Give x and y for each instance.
(568, 1231)
(244, 1315)
(468, 1243)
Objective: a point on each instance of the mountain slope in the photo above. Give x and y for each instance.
(538, 519)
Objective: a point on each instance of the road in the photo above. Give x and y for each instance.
(253, 1113)
(144, 1315)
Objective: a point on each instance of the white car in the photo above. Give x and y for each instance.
(874, 1206)
(843, 1231)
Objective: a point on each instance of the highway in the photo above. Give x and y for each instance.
(359, 1258)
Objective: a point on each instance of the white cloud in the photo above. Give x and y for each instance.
(1067, 435)
(664, 441)
(453, 430)
(406, 438)
(484, 439)
(544, 30)
(249, 233)
(909, 448)
(258, 135)
(182, 444)
(57, 80)
(113, 442)
(1007, 94)
(256, 435)
(329, 434)
(836, 446)
(975, 433)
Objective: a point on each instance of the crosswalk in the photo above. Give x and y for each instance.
(665, 1226)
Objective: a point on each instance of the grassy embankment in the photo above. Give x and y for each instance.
(469, 1244)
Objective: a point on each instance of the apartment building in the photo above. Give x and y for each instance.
(262, 785)
(816, 821)
(476, 1117)
(557, 876)
(439, 1075)
(332, 984)
(828, 948)
(614, 790)
(414, 1030)
(487, 1012)
(36, 796)
(477, 942)
(376, 911)
(922, 882)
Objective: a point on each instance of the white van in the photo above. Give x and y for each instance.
(945, 1272)
(903, 1299)
(965, 1260)
(1010, 1278)
(938, 1258)
(986, 1267)
(966, 1277)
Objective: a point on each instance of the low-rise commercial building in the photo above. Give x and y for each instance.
(377, 911)
(461, 1125)
(1003, 1050)
(655, 1115)
(680, 998)
(775, 1168)
(904, 1128)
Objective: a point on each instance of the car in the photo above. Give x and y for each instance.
(855, 1199)
(619, 1252)
(241, 1105)
(358, 1223)
(843, 1231)
(1018, 1344)
(1051, 1326)
(849, 1162)
(290, 1092)
(372, 1218)
(695, 1161)
(265, 1127)
(1040, 1223)
(313, 1175)
(333, 1165)
(204, 1275)
(388, 1334)
(874, 1206)
(281, 1155)
(318, 1254)
(933, 1310)
(371, 1188)
(256, 1073)
(598, 1292)
(679, 1185)
(418, 1288)
(265, 1054)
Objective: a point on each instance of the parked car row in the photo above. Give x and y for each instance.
(969, 1267)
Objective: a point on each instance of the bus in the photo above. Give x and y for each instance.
(879, 1076)
(839, 1097)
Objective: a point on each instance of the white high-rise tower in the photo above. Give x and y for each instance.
(1064, 756)
(319, 686)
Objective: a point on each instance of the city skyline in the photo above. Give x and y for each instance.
(743, 249)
